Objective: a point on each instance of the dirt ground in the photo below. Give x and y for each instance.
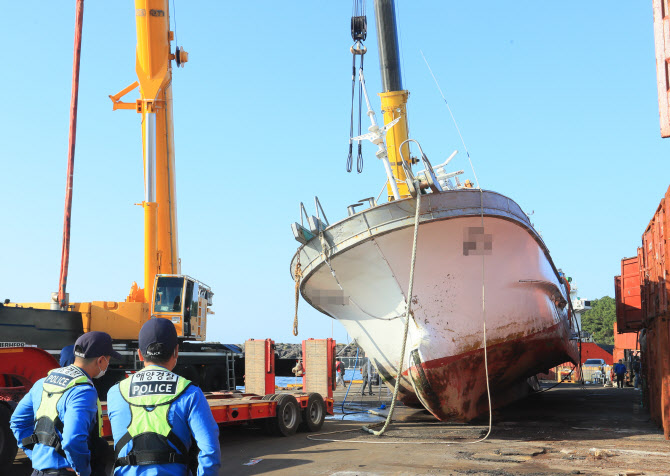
(567, 430)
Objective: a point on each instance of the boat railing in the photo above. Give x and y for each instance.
(437, 179)
(371, 201)
(315, 224)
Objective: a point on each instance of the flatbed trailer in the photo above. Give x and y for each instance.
(280, 414)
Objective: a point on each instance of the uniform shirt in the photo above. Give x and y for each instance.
(77, 409)
(188, 414)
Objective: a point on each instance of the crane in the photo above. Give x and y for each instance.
(166, 292)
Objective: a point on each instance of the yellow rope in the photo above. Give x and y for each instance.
(298, 278)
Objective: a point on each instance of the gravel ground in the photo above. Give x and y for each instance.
(567, 430)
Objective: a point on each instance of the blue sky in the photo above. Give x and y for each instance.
(556, 101)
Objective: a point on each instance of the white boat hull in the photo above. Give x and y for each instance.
(464, 277)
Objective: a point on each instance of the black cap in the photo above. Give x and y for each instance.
(95, 344)
(158, 331)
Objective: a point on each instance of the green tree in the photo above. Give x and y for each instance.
(599, 320)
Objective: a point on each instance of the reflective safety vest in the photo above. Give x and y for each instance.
(150, 393)
(48, 424)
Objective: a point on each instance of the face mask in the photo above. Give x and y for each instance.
(102, 372)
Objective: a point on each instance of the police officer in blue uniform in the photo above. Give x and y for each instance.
(58, 421)
(155, 413)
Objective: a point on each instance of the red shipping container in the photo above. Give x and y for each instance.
(628, 295)
(655, 314)
(654, 266)
(623, 341)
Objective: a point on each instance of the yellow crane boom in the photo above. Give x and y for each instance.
(166, 293)
(154, 72)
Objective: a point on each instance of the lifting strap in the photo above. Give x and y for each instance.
(359, 25)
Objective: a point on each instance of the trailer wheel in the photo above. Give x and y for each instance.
(314, 414)
(288, 415)
(8, 446)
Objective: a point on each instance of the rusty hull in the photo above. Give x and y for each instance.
(454, 388)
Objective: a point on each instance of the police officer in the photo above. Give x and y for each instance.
(58, 420)
(154, 413)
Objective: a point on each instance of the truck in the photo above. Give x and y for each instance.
(280, 414)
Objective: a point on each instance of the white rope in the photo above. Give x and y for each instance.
(408, 315)
(486, 356)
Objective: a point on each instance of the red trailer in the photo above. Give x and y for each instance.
(280, 413)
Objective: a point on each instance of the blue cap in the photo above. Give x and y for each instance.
(158, 331)
(95, 344)
(66, 356)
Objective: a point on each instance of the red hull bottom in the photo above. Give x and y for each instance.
(454, 388)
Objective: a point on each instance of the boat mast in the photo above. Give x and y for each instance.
(393, 97)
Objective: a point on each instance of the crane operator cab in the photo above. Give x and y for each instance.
(185, 302)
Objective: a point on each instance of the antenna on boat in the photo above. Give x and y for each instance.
(467, 152)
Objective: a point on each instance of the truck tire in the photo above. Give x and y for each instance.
(8, 446)
(314, 414)
(215, 379)
(288, 415)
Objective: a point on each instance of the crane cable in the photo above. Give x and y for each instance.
(359, 26)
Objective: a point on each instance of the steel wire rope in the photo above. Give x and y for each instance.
(351, 122)
(467, 152)
(358, 34)
(359, 157)
(325, 250)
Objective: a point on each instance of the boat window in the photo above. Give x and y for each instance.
(169, 294)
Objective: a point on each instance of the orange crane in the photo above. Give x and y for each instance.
(166, 292)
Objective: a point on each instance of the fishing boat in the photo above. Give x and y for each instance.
(489, 308)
